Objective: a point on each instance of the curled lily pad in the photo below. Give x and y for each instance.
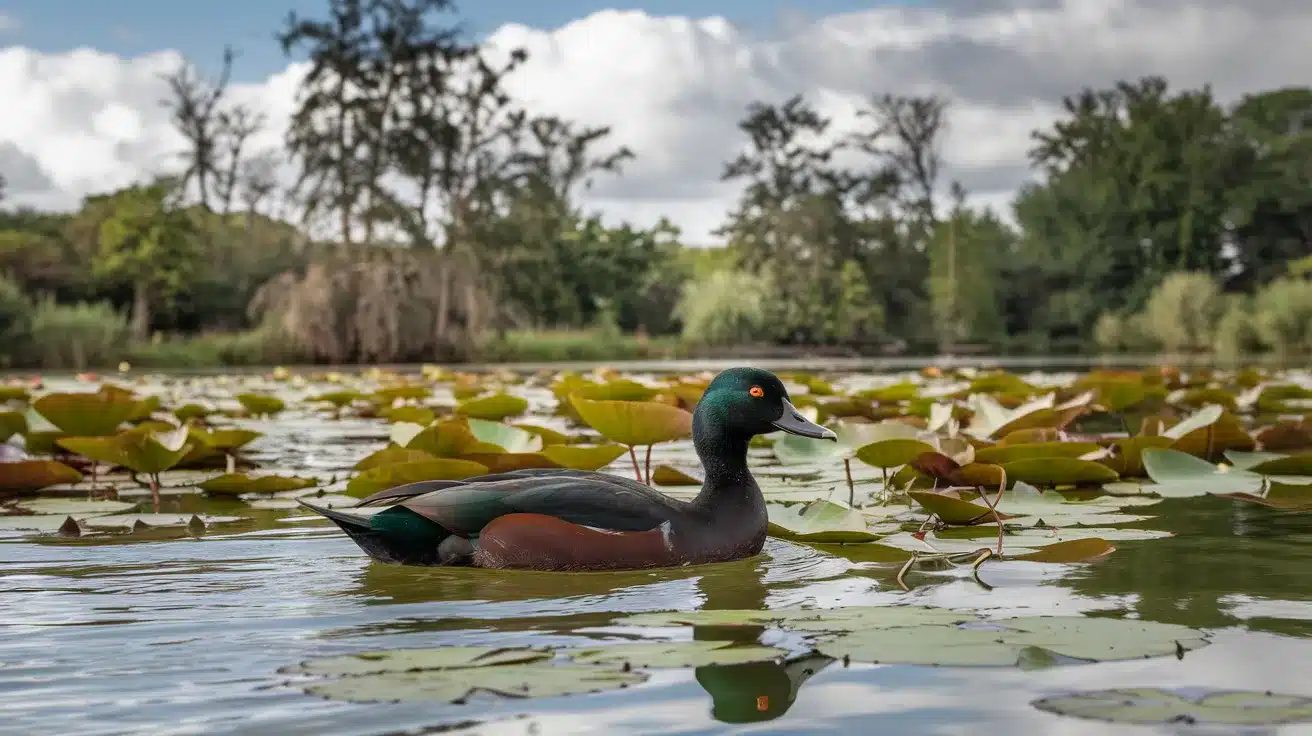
(410, 660)
(505, 462)
(675, 654)
(225, 439)
(1007, 642)
(1176, 474)
(1003, 454)
(384, 477)
(27, 476)
(528, 680)
(635, 423)
(1073, 550)
(87, 414)
(141, 521)
(233, 484)
(137, 450)
(445, 439)
(818, 521)
(392, 455)
(1157, 706)
(505, 436)
(664, 475)
(495, 407)
(1282, 496)
(1300, 464)
(549, 436)
(953, 509)
(585, 457)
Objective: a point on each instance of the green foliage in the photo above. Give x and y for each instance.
(573, 345)
(725, 308)
(1283, 315)
(76, 336)
(1182, 312)
(1236, 335)
(15, 318)
(966, 258)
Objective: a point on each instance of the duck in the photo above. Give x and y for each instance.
(571, 520)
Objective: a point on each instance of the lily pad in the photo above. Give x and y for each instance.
(664, 475)
(675, 654)
(1059, 471)
(892, 453)
(495, 407)
(390, 476)
(1157, 706)
(225, 439)
(27, 476)
(818, 521)
(73, 507)
(1300, 464)
(1003, 454)
(635, 423)
(1177, 474)
(508, 438)
(261, 404)
(392, 455)
(1006, 642)
(137, 450)
(410, 660)
(528, 680)
(585, 457)
(953, 509)
(87, 414)
(238, 483)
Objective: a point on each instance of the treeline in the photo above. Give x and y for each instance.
(433, 218)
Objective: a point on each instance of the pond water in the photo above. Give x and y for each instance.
(179, 630)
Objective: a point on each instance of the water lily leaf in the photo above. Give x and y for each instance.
(791, 449)
(140, 521)
(390, 476)
(952, 509)
(239, 483)
(1300, 464)
(549, 436)
(338, 399)
(226, 440)
(12, 423)
(87, 414)
(1282, 496)
(392, 455)
(1224, 432)
(634, 423)
(192, 411)
(420, 415)
(1246, 460)
(261, 404)
(888, 454)
(1003, 454)
(675, 654)
(587, 457)
(1127, 454)
(664, 475)
(528, 680)
(818, 521)
(505, 462)
(446, 439)
(73, 507)
(402, 392)
(410, 660)
(1156, 706)
(27, 476)
(137, 450)
(831, 620)
(494, 407)
(1070, 551)
(1180, 475)
(1006, 641)
(1059, 471)
(1200, 419)
(508, 438)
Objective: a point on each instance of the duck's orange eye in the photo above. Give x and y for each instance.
(756, 391)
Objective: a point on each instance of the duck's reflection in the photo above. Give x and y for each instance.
(752, 691)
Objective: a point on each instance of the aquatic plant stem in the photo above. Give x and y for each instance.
(637, 471)
(851, 487)
(993, 507)
(647, 465)
(232, 463)
(154, 490)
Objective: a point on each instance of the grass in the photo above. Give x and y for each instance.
(546, 346)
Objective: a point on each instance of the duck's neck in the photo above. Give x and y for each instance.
(724, 456)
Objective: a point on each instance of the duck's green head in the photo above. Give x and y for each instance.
(751, 401)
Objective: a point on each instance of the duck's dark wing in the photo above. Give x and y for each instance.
(402, 524)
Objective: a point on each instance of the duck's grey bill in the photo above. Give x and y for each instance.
(793, 422)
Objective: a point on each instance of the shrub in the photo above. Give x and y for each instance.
(15, 318)
(1282, 315)
(1236, 335)
(723, 308)
(75, 337)
(1182, 312)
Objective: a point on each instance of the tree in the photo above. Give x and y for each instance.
(966, 259)
(149, 243)
(194, 106)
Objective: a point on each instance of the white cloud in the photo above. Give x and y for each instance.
(674, 88)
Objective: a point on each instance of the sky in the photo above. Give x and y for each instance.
(80, 80)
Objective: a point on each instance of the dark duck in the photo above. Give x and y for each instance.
(577, 520)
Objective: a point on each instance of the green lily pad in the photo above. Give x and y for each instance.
(28, 476)
(233, 484)
(495, 407)
(1157, 706)
(384, 477)
(140, 451)
(1003, 454)
(136, 521)
(421, 415)
(508, 438)
(893, 453)
(410, 660)
(402, 392)
(813, 620)
(1281, 496)
(261, 404)
(585, 457)
(818, 521)
(73, 507)
(445, 439)
(87, 414)
(12, 423)
(226, 440)
(338, 399)
(392, 455)
(791, 449)
(1055, 471)
(675, 654)
(528, 680)
(1177, 474)
(1300, 464)
(1007, 642)
(954, 510)
(665, 475)
(635, 423)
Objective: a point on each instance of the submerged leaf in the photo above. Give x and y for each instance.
(528, 680)
(675, 654)
(410, 660)
(1156, 706)
(818, 521)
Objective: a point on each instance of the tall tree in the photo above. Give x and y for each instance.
(194, 105)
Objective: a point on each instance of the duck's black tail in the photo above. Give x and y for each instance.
(395, 534)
